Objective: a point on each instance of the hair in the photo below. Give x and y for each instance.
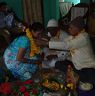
(78, 22)
(36, 26)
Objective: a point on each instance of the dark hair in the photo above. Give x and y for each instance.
(3, 4)
(36, 26)
(78, 22)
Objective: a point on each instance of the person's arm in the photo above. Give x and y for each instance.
(21, 58)
(76, 42)
(58, 45)
(20, 55)
(23, 44)
(79, 41)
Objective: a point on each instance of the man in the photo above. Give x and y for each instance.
(54, 33)
(82, 56)
(8, 22)
(3, 32)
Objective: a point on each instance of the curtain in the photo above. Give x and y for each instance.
(77, 11)
(32, 10)
(64, 8)
(50, 10)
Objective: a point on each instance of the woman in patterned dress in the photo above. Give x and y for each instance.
(17, 55)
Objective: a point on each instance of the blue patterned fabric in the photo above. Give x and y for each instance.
(20, 70)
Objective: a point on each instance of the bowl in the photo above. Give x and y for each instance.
(85, 86)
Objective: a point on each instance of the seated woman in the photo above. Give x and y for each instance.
(35, 49)
(17, 55)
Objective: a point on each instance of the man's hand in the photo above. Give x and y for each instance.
(42, 43)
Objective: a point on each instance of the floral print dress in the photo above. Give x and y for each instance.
(19, 70)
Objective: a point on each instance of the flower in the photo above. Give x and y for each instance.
(28, 82)
(34, 91)
(34, 48)
(70, 85)
(18, 83)
(22, 89)
(26, 94)
(6, 88)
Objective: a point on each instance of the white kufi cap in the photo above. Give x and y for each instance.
(52, 23)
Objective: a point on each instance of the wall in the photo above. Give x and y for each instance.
(72, 1)
(17, 6)
(78, 1)
(85, 1)
(51, 10)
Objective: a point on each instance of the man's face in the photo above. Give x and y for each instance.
(52, 30)
(73, 30)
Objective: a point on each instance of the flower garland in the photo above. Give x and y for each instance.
(21, 88)
(34, 48)
(27, 88)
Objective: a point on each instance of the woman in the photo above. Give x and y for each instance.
(17, 55)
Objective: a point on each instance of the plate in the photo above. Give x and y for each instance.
(85, 86)
(51, 85)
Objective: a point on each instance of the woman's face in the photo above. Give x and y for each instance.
(36, 34)
(73, 30)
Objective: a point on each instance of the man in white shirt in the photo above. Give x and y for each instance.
(55, 33)
(82, 56)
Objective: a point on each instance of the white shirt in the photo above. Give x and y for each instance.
(81, 52)
(61, 54)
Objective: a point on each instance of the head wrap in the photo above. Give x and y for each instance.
(52, 23)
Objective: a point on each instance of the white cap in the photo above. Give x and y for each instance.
(52, 23)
